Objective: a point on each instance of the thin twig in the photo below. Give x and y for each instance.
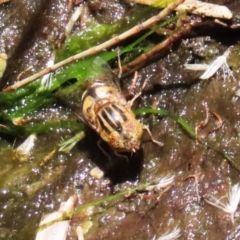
(203, 123)
(119, 63)
(98, 48)
(21, 73)
(134, 81)
(219, 119)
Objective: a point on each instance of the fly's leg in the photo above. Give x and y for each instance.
(152, 139)
(130, 103)
(103, 151)
(121, 155)
(131, 90)
(107, 155)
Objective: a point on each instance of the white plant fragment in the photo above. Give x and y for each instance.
(196, 67)
(72, 20)
(66, 146)
(237, 93)
(161, 183)
(79, 233)
(22, 151)
(3, 63)
(46, 80)
(213, 67)
(219, 62)
(228, 203)
(57, 230)
(175, 234)
(205, 9)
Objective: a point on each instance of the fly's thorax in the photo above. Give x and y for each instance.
(95, 97)
(100, 90)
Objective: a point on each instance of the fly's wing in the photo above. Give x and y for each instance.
(102, 73)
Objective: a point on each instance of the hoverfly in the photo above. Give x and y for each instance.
(106, 110)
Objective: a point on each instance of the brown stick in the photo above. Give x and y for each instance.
(183, 31)
(98, 48)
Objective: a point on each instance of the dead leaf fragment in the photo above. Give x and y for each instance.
(153, 3)
(205, 9)
(192, 6)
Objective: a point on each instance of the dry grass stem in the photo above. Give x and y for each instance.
(176, 36)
